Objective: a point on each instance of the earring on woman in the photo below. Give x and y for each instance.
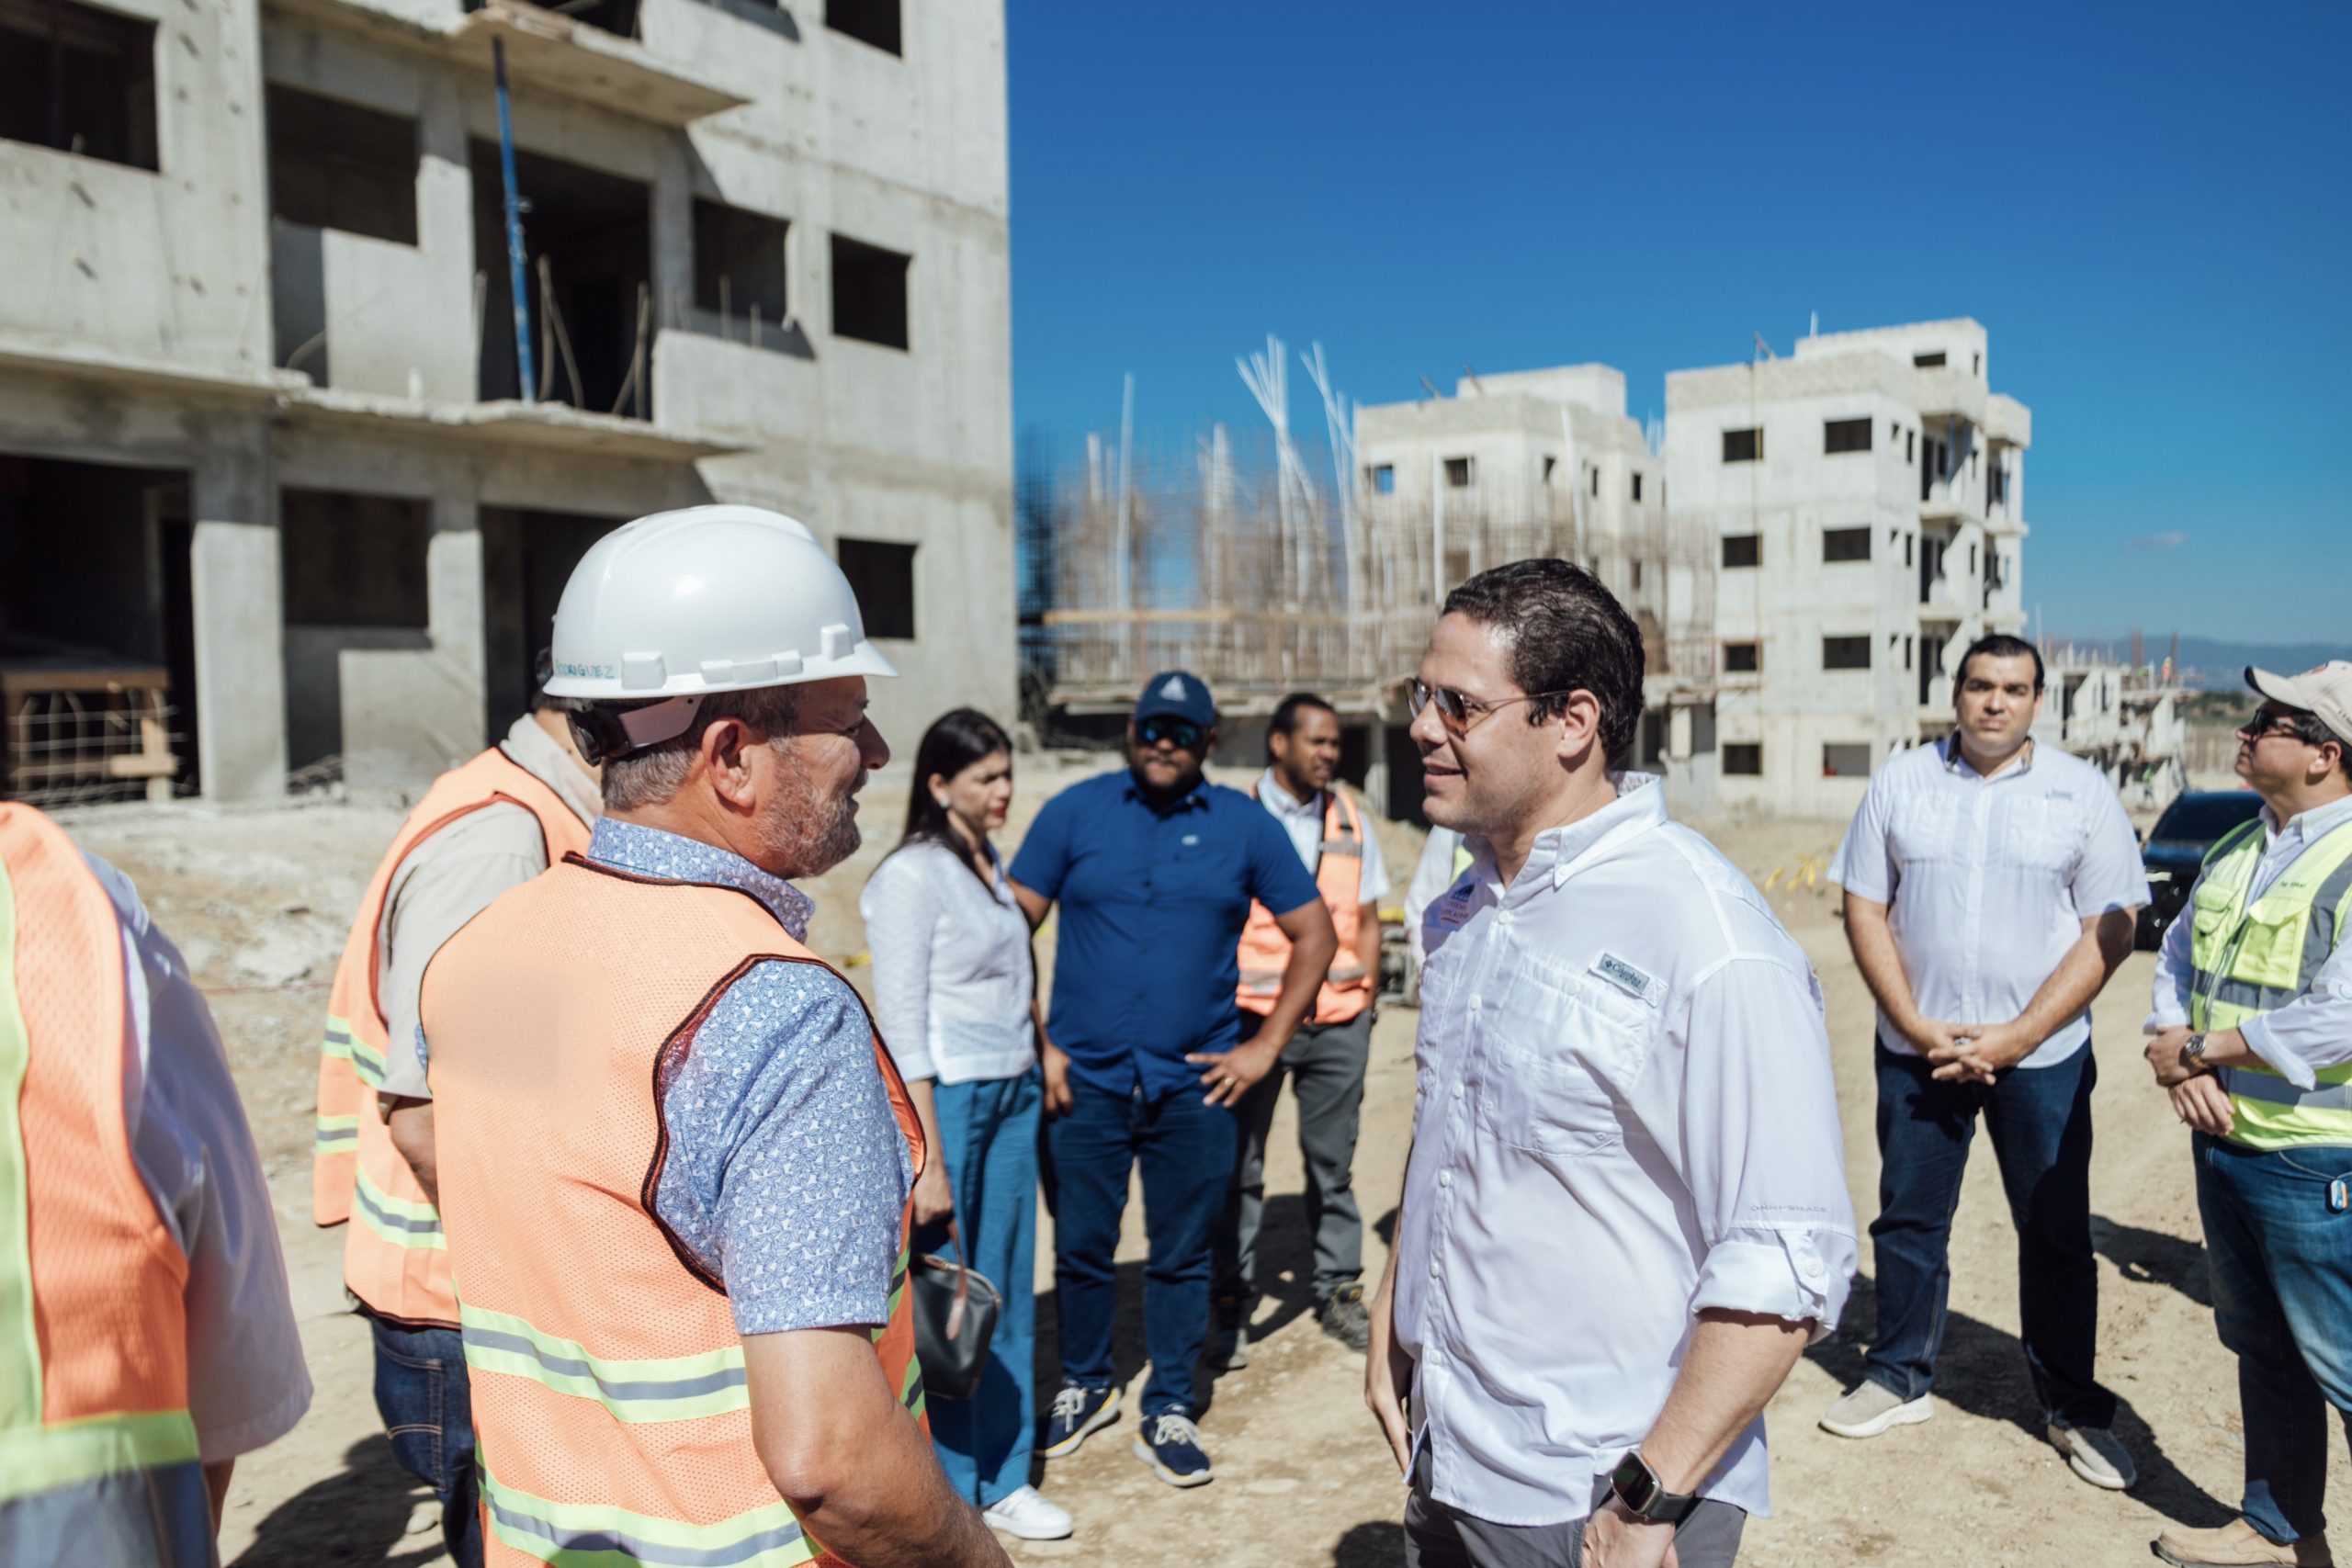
(941, 801)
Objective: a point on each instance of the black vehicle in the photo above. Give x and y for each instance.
(2177, 846)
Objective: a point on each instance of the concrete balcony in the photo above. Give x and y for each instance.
(2002, 521)
(2007, 420)
(547, 53)
(549, 427)
(1959, 499)
(1950, 391)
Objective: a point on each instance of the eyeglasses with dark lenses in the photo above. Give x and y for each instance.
(1183, 734)
(1461, 713)
(2267, 722)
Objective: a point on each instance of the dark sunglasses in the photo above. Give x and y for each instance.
(1460, 714)
(1183, 734)
(2265, 723)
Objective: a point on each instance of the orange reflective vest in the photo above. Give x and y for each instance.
(1339, 875)
(610, 1406)
(393, 1259)
(94, 1430)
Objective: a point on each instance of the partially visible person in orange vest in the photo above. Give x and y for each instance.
(1325, 1060)
(488, 824)
(146, 1337)
(674, 1159)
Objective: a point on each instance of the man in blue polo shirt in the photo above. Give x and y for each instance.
(1155, 869)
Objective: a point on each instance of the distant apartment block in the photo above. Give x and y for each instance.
(265, 441)
(1864, 498)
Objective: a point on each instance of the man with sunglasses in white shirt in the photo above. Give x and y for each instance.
(1626, 1211)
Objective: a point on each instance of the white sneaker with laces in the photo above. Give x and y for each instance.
(1029, 1515)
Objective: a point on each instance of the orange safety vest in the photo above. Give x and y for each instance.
(393, 1259)
(94, 1430)
(1338, 877)
(609, 1402)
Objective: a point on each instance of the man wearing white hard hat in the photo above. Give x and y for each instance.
(2252, 1037)
(674, 1158)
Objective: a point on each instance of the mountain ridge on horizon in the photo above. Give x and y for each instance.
(2219, 661)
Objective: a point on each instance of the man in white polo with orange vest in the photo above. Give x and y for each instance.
(1325, 1060)
(491, 824)
(675, 1161)
(146, 1339)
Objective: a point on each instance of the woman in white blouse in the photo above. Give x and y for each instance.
(954, 993)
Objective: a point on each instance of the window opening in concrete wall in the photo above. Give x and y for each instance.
(588, 240)
(1637, 577)
(337, 165)
(1844, 436)
(869, 292)
(1744, 758)
(1910, 443)
(1457, 473)
(1845, 544)
(77, 79)
(1846, 760)
(1549, 463)
(619, 18)
(1743, 549)
(526, 557)
(868, 21)
(739, 279)
(1845, 653)
(1928, 361)
(1906, 550)
(1742, 446)
(353, 577)
(1384, 478)
(1997, 485)
(97, 633)
(1976, 365)
(1931, 563)
(1906, 653)
(1637, 487)
(883, 576)
(1743, 658)
(1595, 484)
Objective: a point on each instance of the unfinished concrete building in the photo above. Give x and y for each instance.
(267, 457)
(1865, 499)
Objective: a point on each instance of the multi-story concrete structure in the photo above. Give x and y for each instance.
(1865, 500)
(261, 422)
(1545, 462)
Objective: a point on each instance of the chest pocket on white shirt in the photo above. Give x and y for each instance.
(2045, 832)
(1554, 1044)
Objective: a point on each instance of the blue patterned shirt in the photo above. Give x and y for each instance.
(787, 1175)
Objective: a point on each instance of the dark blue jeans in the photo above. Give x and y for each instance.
(2281, 1258)
(427, 1406)
(2040, 1121)
(1185, 1148)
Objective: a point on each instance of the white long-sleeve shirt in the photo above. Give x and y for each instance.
(1624, 1115)
(2314, 1031)
(952, 976)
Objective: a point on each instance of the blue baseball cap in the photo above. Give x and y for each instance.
(1177, 694)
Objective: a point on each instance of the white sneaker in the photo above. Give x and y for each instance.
(1028, 1516)
(1873, 1408)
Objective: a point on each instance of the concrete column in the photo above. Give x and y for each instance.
(1678, 733)
(239, 619)
(674, 236)
(453, 567)
(1375, 770)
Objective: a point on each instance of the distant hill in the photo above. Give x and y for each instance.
(2211, 662)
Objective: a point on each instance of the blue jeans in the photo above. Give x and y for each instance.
(988, 1131)
(2281, 1259)
(1185, 1148)
(2040, 1121)
(427, 1405)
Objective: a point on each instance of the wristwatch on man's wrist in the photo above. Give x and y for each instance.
(2192, 1052)
(1644, 1496)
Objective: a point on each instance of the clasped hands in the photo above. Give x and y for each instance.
(1969, 1052)
(2198, 1097)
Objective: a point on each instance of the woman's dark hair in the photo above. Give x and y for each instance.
(956, 740)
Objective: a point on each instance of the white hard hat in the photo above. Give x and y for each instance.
(708, 599)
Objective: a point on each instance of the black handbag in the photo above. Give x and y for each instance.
(955, 1309)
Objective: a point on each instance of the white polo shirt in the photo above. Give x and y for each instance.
(1624, 1114)
(1987, 881)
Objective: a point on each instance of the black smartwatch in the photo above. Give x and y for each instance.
(1644, 1496)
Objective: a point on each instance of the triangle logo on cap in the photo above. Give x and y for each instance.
(1174, 690)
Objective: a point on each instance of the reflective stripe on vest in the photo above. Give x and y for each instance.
(2251, 956)
(92, 1326)
(1265, 951)
(609, 1382)
(394, 1259)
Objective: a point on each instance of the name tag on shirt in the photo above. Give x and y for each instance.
(1454, 909)
(1633, 981)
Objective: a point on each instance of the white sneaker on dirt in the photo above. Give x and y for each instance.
(1027, 1514)
(2092, 1453)
(1871, 1409)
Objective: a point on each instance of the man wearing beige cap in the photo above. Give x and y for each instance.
(2252, 1035)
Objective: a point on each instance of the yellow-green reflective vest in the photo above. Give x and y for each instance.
(2254, 957)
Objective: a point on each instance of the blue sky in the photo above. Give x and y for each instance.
(2150, 208)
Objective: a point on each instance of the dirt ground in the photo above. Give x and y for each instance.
(259, 899)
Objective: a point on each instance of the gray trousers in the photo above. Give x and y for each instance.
(1325, 1062)
(1440, 1536)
